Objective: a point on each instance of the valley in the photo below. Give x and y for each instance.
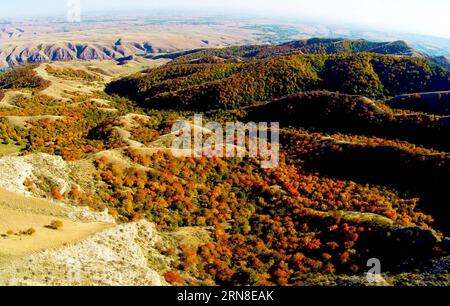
(140, 35)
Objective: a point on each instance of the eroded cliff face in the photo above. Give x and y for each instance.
(49, 41)
(89, 249)
(117, 256)
(13, 55)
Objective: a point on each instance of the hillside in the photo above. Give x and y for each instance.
(89, 144)
(22, 78)
(354, 115)
(402, 165)
(231, 84)
(105, 39)
(429, 102)
(309, 46)
(444, 61)
(71, 51)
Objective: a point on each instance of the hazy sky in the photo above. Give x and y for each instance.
(414, 16)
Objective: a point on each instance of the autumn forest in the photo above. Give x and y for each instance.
(364, 164)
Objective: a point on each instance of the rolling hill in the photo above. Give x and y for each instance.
(358, 177)
(430, 102)
(235, 77)
(399, 164)
(309, 46)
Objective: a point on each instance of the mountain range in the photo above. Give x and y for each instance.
(226, 77)
(30, 42)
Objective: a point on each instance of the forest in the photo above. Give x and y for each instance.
(22, 78)
(229, 85)
(364, 163)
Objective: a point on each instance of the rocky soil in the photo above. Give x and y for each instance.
(118, 256)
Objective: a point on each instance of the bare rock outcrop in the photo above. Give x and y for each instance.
(45, 171)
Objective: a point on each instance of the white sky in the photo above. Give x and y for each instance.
(413, 16)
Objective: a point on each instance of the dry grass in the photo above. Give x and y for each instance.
(23, 121)
(190, 236)
(63, 89)
(10, 150)
(19, 213)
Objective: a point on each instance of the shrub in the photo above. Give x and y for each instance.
(55, 225)
(56, 193)
(28, 232)
(173, 278)
(23, 77)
